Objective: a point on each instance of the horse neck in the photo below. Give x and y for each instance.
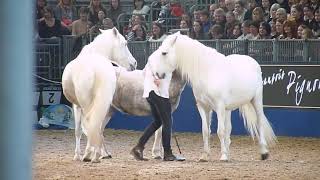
(194, 65)
(102, 50)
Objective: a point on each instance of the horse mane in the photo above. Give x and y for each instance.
(194, 58)
(100, 44)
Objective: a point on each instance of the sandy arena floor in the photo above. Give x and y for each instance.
(292, 158)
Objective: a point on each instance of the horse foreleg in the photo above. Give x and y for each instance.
(221, 114)
(78, 132)
(156, 149)
(205, 113)
(228, 128)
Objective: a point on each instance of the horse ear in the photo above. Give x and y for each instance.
(174, 40)
(115, 31)
(101, 30)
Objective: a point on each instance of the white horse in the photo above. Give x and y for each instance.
(89, 83)
(220, 83)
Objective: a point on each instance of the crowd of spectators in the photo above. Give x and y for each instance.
(222, 19)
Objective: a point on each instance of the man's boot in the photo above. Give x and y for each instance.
(168, 156)
(137, 153)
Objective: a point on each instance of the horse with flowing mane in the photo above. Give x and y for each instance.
(220, 83)
(89, 83)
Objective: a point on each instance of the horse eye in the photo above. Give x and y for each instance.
(164, 53)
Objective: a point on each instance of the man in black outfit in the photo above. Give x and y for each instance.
(156, 91)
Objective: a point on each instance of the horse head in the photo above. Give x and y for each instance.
(163, 60)
(113, 45)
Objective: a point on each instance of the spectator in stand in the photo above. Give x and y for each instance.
(281, 15)
(230, 23)
(176, 8)
(114, 11)
(314, 4)
(212, 8)
(99, 24)
(304, 3)
(205, 21)
(222, 5)
(136, 19)
(219, 17)
(279, 29)
(138, 33)
(264, 31)
(284, 4)
(239, 10)
(296, 14)
(95, 7)
(307, 34)
(293, 2)
(251, 5)
(290, 29)
(254, 29)
(164, 13)
(216, 32)
(301, 27)
(196, 14)
(157, 32)
(107, 23)
(273, 11)
(316, 25)
(40, 9)
(229, 5)
(197, 31)
(245, 29)
(140, 7)
(186, 18)
(236, 32)
(79, 27)
(308, 17)
(265, 4)
(66, 13)
(257, 15)
(50, 27)
(185, 27)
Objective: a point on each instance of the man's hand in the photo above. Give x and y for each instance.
(157, 82)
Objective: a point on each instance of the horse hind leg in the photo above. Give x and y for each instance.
(105, 154)
(266, 134)
(205, 113)
(78, 132)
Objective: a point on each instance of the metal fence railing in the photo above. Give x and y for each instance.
(51, 55)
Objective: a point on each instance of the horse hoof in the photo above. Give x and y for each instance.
(203, 160)
(264, 156)
(95, 161)
(224, 158)
(77, 157)
(86, 159)
(157, 157)
(106, 157)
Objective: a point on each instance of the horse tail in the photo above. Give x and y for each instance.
(252, 123)
(250, 120)
(103, 91)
